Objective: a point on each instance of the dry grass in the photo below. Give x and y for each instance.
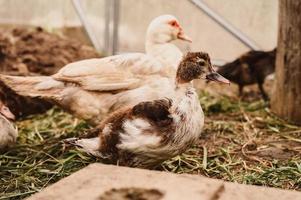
(242, 142)
(40, 158)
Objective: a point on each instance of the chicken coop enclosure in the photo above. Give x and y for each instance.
(257, 20)
(73, 87)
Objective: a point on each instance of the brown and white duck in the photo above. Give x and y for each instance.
(90, 89)
(8, 133)
(150, 132)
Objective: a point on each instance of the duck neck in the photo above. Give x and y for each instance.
(166, 52)
(182, 86)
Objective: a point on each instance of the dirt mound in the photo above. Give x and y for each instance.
(34, 51)
(27, 51)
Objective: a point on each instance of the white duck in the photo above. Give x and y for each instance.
(8, 134)
(150, 132)
(92, 88)
(158, 38)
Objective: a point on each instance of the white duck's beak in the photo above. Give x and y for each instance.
(183, 36)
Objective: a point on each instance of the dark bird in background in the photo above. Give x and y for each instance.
(250, 68)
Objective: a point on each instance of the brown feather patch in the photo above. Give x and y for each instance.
(156, 111)
(191, 68)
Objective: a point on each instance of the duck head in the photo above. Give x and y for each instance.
(164, 29)
(197, 65)
(6, 112)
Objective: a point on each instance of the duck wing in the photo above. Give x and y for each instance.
(118, 72)
(156, 111)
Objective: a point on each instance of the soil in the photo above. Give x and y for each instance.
(33, 51)
(25, 51)
(132, 194)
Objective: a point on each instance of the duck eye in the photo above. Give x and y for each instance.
(173, 23)
(200, 62)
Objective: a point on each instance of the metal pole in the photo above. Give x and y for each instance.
(78, 7)
(107, 30)
(115, 26)
(226, 25)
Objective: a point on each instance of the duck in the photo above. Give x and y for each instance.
(151, 132)
(159, 35)
(92, 88)
(250, 68)
(8, 133)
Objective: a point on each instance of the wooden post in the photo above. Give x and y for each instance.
(286, 99)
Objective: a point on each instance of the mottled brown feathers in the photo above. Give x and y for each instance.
(156, 111)
(110, 138)
(192, 66)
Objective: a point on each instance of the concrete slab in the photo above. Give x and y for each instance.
(107, 182)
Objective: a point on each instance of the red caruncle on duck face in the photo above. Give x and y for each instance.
(178, 31)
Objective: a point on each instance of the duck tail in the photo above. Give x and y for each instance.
(32, 86)
(88, 145)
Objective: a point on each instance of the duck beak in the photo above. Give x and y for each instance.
(214, 76)
(7, 113)
(183, 36)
